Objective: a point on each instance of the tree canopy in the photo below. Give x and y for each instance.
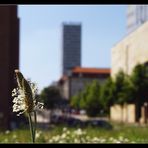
(51, 97)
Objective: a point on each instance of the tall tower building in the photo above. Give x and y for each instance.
(136, 15)
(71, 46)
(9, 60)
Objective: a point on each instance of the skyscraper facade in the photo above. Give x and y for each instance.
(71, 47)
(136, 15)
(9, 59)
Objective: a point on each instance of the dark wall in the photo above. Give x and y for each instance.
(9, 59)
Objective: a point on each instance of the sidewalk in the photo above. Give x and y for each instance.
(85, 117)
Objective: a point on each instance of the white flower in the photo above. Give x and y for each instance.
(76, 141)
(56, 138)
(67, 132)
(63, 136)
(25, 96)
(118, 141)
(64, 129)
(6, 140)
(78, 132)
(38, 134)
(95, 139)
(120, 138)
(14, 136)
(7, 132)
(111, 139)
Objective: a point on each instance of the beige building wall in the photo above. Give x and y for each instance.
(123, 114)
(131, 116)
(64, 89)
(130, 51)
(116, 113)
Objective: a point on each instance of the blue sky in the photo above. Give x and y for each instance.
(40, 37)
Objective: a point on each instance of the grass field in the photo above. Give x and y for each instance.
(119, 134)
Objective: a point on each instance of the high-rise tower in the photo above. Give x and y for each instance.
(71, 46)
(136, 15)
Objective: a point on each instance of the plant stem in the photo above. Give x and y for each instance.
(31, 128)
(35, 121)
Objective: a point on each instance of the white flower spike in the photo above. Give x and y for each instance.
(25, 96)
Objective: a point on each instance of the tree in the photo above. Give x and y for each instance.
(107, 94)
(93, 104)
(139, 79)
(89, 99)
(120, 89)
(84, 95)
(78, 101)
(121, 85)
(51, 97)
(75, 100)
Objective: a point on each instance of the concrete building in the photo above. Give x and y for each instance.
(126, 54)
(9, 59)
(130, 51)
(79, 77)
(71, 46)
(136, 16)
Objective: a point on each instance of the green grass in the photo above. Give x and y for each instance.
(119, 133)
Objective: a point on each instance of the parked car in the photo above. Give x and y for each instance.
(69, 121)
(99, 123)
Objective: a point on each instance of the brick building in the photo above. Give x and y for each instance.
(79, 77)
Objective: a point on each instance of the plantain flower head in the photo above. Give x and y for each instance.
(25, 95)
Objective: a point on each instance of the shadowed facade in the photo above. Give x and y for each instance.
(9, 60)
